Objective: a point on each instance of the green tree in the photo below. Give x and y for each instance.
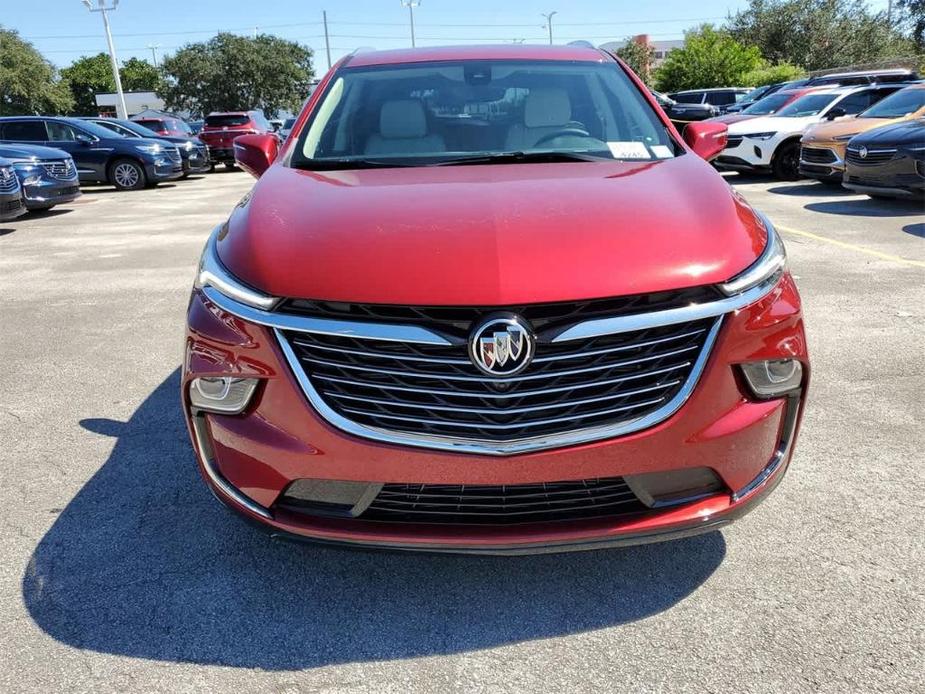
(771, 74)
(29, 84)
(818, 34)
(92, 75)
(709, 58)
(638, 56)
(231, 73)
(912, 14)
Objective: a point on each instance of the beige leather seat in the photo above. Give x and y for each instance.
(546, 111)
(403, 130)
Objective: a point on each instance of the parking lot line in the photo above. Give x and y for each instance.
(853, 247)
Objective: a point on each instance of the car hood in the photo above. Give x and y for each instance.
(31, 152)
(900, 134)
(731, 118)
(490, 234)
(177, 140)
(828, 131)
(769, 124)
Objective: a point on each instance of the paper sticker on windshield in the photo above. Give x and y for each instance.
(629, 150)
(662, 152)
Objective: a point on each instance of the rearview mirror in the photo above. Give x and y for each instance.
(835, 113)
(706, 139)
(255, 153)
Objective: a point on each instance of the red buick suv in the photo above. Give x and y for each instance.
(486, 299)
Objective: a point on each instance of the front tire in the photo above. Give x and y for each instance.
(786, 162)
(127, 174)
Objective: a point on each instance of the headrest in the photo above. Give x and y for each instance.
(402, 118)
(547, 107)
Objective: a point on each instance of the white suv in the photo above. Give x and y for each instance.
(773, 142)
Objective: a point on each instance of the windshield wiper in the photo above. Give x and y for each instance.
(521, 157)
(348, 163)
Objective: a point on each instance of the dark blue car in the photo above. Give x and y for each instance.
(48, 176)
(101, 155)
(193, 151)
(11, 202)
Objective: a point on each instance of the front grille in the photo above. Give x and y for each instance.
(8, 180)
(173, 154)
(433, 390)
(459, 319)
(872, 156)
(817, 155)
(502, 505)
(733, 141)
(60, 169)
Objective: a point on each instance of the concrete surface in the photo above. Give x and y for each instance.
(119, 572)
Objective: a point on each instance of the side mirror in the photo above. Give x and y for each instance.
(255, 153)
(706, 138)
(836, 112)
(85, 140)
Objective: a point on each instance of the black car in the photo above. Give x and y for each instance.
(682, 114)
(11, 202)
(48, 176)
(888, 162)
(194, 153)
(100, 154)
(758, 93)
(714, 101)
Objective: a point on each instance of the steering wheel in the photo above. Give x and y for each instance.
(564, 132)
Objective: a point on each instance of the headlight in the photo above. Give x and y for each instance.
(760, 136)
(149, 149)
(773, 378)
(213, 274)
(25, 167)
(766, 270)
(189, 146)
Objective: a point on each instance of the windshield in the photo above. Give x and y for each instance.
(809, 105)
(755, 93)
(225, 120)
(767, 105)
(898, 105)
(440, 112)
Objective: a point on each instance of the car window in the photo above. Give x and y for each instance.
(899, 104)
(689, 98)
(226, 120)
(767, 105)
(24, 131)
(154, 124)
(61, 132)
(115, 127)
(439, 111)
(721, 98)
(855, 103)
(809, 105)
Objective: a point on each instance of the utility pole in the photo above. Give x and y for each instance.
(103, 8)
(327, 41)
(889, 13)
(154, 47)
(549, 23)
(411, 4)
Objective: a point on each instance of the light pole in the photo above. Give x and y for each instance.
(103, 8)
(154, 47)
(549, 23)
(411, 4)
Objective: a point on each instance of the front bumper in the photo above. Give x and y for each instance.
(249, 460)
(745, 153)
(823, 160)
(901, 177)
(49, 192)
(163, 169)
(196, 160)
(12, 205)
(221, 154)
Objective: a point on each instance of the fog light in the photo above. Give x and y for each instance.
(773, 378)
(222, 394)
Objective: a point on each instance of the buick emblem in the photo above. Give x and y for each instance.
(501, 345)
(863, 152)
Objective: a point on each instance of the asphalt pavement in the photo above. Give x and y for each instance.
(119, 572)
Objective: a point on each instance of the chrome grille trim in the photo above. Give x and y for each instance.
(510, 447)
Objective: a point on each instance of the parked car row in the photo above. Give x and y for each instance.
(772, 142)
(50, 156)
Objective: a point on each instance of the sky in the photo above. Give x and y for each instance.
(64, 30)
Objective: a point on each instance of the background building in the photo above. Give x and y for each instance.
(660, 49)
